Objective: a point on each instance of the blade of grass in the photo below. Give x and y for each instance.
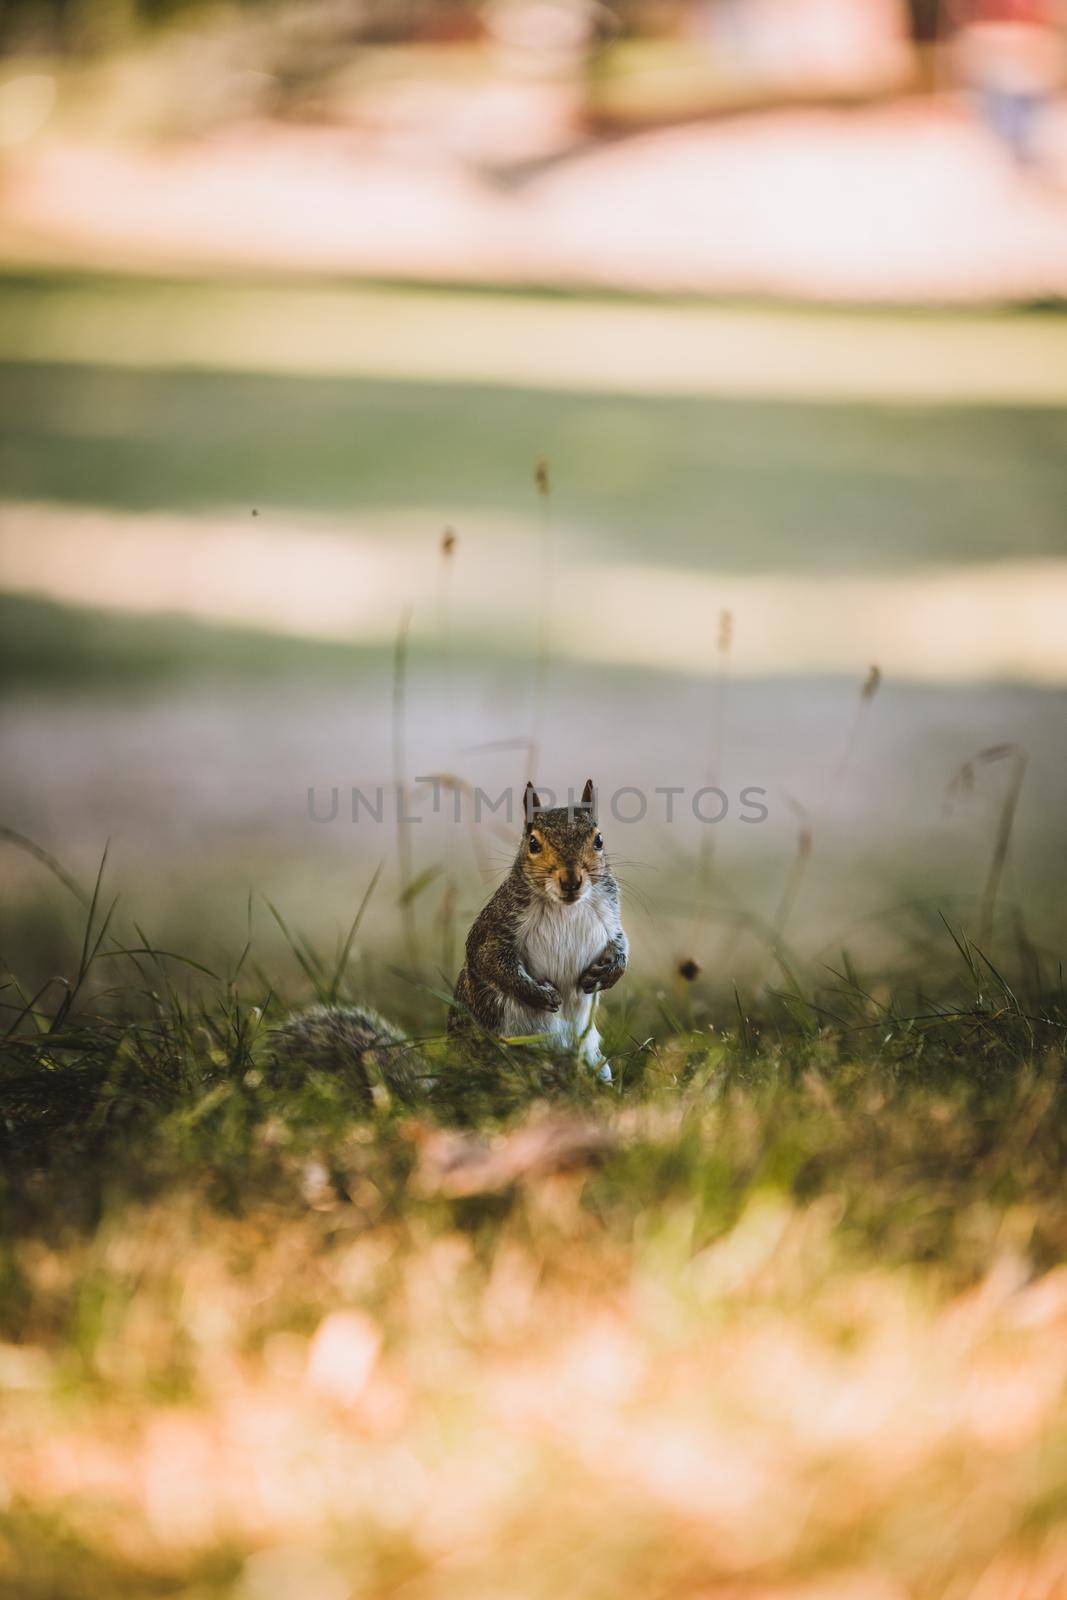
(342, 960)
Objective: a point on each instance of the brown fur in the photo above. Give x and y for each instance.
(567, 862)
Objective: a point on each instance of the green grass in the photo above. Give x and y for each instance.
(255, 1319)
(736, 485)
(155, 394)
(780, 1314)
(84, 648)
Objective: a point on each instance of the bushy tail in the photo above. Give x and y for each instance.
(352, 1042)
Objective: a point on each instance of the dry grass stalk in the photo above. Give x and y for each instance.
(797, 872)
(544, 624)
(1000, 849)
(706, 864)
(963, 782)
(446, 922)
(447, 908)
(462, 793)
(868, 690)
(403, 827)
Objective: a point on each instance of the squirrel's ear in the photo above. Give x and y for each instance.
(588, 794)
(531, 804)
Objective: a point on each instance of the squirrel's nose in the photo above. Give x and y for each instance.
(570, 882)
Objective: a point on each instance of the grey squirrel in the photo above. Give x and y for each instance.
(550, 938)
(548, 941)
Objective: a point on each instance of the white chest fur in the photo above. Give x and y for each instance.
(557, 942)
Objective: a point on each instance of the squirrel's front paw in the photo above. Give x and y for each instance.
(548, 997)
(602, 973)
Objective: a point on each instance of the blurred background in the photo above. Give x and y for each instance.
(406, 387)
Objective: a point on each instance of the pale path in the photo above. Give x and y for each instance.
(314, 580)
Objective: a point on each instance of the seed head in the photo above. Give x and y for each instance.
(726, 630)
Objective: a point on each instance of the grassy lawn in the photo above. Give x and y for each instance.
(726, 484)
(780, 1314)
(709, 481)
(199, 396)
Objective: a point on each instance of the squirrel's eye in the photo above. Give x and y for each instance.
(535, 846)
(598, 842)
